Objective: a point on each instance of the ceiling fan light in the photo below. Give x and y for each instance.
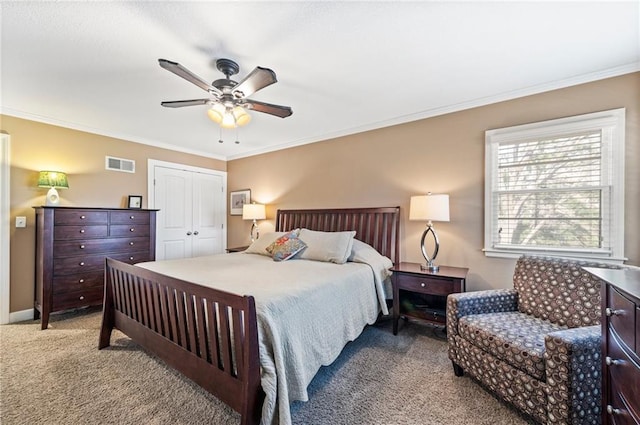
(241, 116)
(216, 113)
(228, 120)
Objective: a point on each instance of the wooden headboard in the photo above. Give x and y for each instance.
(378, 227)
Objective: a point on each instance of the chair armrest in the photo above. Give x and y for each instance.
(478, 302)
(573, 362)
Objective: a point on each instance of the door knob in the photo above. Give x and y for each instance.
(188, 233)
(196, 233)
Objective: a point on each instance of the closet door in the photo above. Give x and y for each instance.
(191, 213)
(174, 199)
(207, 214)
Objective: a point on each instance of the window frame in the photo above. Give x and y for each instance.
(612, 125)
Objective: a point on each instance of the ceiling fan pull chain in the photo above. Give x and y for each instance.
(220, 139)
(237, 138)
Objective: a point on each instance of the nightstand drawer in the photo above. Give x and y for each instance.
(425, 284)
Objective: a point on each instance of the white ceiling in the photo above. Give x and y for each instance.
(344, 67)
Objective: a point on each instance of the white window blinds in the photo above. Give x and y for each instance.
(550, 187)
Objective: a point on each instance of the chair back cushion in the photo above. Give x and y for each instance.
(558, 290)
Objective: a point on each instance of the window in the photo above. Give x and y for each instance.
(557, 188)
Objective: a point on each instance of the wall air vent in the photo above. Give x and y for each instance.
(119, 164)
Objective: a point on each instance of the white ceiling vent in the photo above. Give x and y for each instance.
(119, 164)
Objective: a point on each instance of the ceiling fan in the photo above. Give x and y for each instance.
(229, 99)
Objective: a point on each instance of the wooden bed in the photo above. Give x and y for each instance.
(211, 336)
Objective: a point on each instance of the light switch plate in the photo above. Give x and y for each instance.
(21, 221)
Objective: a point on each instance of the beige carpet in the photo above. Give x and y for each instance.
(58, 376)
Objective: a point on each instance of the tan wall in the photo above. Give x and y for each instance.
(443, 154)
(35, 147)
(377, 168)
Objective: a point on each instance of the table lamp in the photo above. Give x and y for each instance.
(430, 207)
(53, 180)
(254, 212)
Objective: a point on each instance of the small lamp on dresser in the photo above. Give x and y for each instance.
(254, 212)
(429, 208)
(53, 180)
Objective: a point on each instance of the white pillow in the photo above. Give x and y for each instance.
(330, 247)
(259, 246)
(365, 253)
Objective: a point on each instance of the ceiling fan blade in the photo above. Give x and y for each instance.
(268, 108)
(181, 103)
(183, 72)
(257, 79)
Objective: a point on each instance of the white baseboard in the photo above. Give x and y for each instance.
(21, 316)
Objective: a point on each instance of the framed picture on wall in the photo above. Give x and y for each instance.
(135, 201)
(237, 199)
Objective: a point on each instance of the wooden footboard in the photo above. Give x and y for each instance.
(209, 335)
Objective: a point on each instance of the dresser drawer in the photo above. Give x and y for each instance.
(123, 217)
(80, 217)
(76, 282)
(617, 412)
(61, 233)
(621, 316)
(132, 257)
(129, 230)
(425, 284)
(622, 369)
(87, 247)
(79, 264)
(90, 296)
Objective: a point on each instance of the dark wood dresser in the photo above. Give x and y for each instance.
(71, 247)
(620, 345)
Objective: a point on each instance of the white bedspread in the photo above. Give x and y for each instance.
(307, 311)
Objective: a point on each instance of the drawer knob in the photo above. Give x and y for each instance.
(131, 217)
(131, 243)
(81, 230)
(612, 410)
(611, 362)
(132, 229)
(82, 217)
(82, 263)
(130, 258)
(82, 297)
(611, 312)
(81, 281)
(81, 246)
(423, 284)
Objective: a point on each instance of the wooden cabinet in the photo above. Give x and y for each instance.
(620, 345)
(422, 294)
(71, 247)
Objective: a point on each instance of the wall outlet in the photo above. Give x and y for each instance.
(21, 221)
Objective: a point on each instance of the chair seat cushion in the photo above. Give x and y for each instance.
(513, 337)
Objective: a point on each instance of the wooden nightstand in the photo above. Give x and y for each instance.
(237, 249)
(422, 294)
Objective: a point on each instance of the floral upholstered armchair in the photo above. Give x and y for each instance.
(536, 345)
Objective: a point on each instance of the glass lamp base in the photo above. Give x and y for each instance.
(429, 267)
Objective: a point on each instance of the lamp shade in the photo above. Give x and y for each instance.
(55, 179)
(429, 207)
(253, 212)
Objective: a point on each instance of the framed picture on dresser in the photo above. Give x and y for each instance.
(135, 201)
